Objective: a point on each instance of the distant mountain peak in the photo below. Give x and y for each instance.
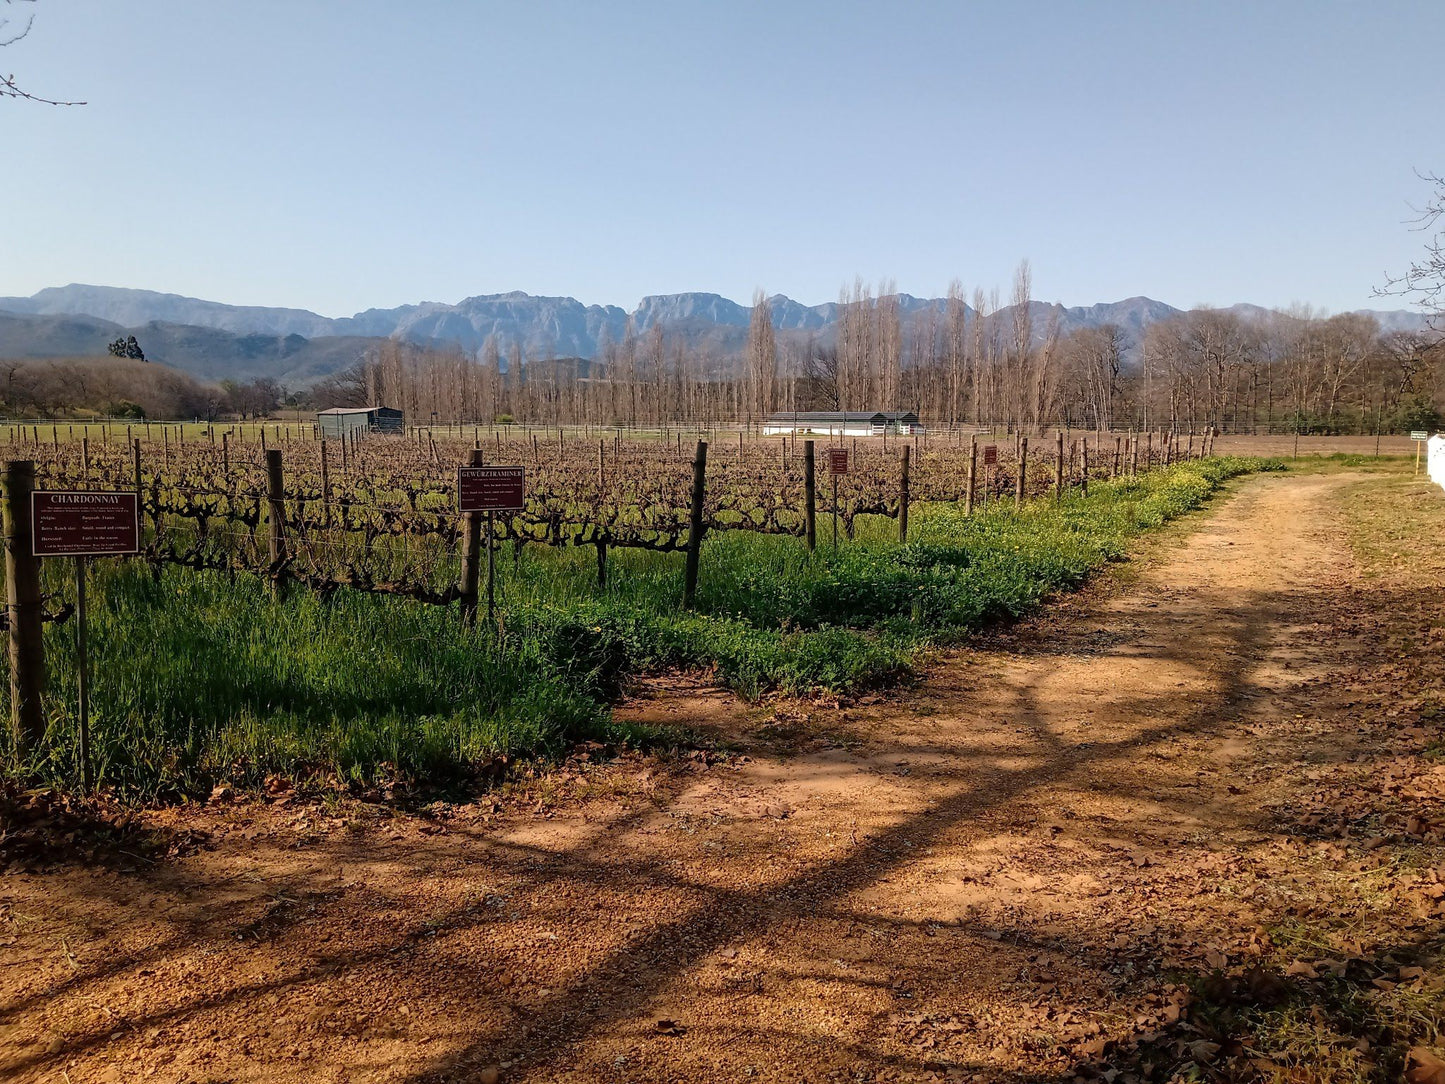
(196, 331)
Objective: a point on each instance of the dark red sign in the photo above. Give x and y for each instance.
(990, 455)
(491, 489)
(837, 460)
(69, 524)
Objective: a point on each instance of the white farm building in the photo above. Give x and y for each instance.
(843, 423)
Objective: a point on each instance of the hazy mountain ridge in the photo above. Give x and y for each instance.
(208, 353)
(131, 308)
(214, 341)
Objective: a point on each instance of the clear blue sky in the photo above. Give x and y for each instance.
(340, 155)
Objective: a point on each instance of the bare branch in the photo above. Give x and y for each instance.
(12, 40)
(8, 86)
(1424, 281)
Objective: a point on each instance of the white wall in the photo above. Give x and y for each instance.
(1436, 451)
(822, 430)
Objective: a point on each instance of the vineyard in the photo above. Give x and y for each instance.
(294, 605)
(381, 514)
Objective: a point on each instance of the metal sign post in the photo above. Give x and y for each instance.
(491, 568)
(837, 464)
(81, 525)
(82, 664)
(491, 490)
(990, 469)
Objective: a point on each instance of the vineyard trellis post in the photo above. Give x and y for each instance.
(325, 487)
(276, 517)
(1084, 466)
(1021, 483)
(835, 507)
(972, 474)
(695, 525)
(903, 496)
(601, 535)
(24, 604)
(810, 497)
(1059, 469)
(471, 553)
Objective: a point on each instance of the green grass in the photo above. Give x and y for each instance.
(1338, 462)
(199, 677)
(203, 676)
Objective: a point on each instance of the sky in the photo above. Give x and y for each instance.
(337, 155)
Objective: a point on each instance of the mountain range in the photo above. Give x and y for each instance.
(297, 347)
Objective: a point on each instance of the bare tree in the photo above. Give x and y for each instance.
(822, 379)
(762, 360)
(1425, 279)
(1094, 357)
(9, 35)
(888, 338)
(955, 349)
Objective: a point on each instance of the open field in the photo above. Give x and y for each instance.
(1283, 444)
(1184, 825)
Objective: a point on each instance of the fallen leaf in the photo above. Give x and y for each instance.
(1424, 1067)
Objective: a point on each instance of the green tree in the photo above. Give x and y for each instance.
(1417, 412)
(126, 348)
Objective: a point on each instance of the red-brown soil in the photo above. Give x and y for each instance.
(1215, 762)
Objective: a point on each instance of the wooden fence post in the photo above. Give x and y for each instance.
(810, 497)
(1059, 469)
(972, 474)
(1084, 466)
(325, 487)
(471, 553)
(23, 598)
(1021, 482)
(276, 517)
(695, 524)
(140, 495)
(903, 497)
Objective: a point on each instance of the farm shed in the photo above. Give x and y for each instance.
(345, 421)
(843, 423)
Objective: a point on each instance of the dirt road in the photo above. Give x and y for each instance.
(1002, 874)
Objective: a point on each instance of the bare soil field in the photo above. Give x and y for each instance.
(1283, 444)
(1187, 824)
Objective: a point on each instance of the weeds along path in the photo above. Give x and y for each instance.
(997, 875)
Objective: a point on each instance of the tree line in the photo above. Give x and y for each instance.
(121, 386)
(964, 362)
(959, 362)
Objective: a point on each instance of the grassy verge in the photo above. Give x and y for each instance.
(201, 677)
(771, 617)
